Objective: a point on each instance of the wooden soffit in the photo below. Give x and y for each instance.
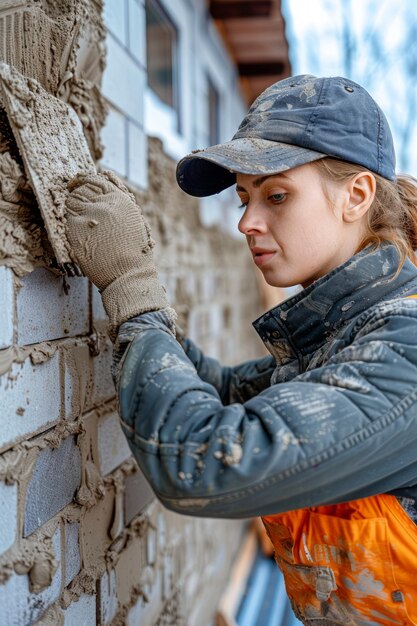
(254, 33)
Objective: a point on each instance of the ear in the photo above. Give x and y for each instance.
(361, 192)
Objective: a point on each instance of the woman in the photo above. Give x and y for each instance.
(320, 438)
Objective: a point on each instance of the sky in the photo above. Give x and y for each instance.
(373, 42)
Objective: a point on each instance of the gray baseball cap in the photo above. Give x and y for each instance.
(296, 121)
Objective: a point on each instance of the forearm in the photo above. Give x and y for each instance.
(162, 320)
(286, 448)
(183, 437)
(233, 384)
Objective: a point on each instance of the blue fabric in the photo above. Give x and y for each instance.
(265, 601)
(295, 121)
(338, 423)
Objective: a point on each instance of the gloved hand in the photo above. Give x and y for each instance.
(110, 241)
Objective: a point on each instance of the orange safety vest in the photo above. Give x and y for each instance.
(350, 564)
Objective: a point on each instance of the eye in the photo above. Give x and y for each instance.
(277, 198)
(243, 205)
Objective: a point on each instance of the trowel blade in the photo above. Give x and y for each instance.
(53, 148)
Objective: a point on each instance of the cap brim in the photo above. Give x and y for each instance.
(209, 171)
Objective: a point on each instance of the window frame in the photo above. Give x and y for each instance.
(159, 10)
(175, 128)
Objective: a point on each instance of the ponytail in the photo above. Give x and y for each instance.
(407, 191)
(392, 216)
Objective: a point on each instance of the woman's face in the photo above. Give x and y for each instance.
(294, 233)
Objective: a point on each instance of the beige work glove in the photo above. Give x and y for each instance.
(110, 241)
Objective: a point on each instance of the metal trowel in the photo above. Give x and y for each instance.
(53, 148)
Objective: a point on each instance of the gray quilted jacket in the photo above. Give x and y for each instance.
(330, 416)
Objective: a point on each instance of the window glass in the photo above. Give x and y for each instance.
(161, 45)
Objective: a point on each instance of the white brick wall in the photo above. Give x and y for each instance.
(113, 448)
(137, 155)
(99, 314)
(82, 612)
(29, 399)
(77, 387)
(137, 495)
(114, 139)
(75, 383)
(147, 612)
(7, 303)
(136, 111)
(115, 18)
(8, 515)
(124, 81)
(18, 605)
(71, 548)
(103, 386)
(108, 597)
(45, 312)
(124, 85)
(137, 30)
(55, 479)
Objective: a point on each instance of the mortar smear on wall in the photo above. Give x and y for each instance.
(138, 568)
(61, 45)
(52, 146)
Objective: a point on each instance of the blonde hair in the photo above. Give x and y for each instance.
(392, 216)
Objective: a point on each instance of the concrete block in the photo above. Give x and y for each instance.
(29, 399)
(82, 612)
(18, 606)
(137, 495)
(169, 281)
(141, 613)
(78, 379)
(72, 552)
(45, 312)
(212, 348)
(124, 81)
(216, 319)
(147, 612)
(208, 286)
(8, 515)
(108, 597)
(95, 527)
(115, 18)
(113, 448)
(55, 478)
(137, 155)
(7, 307)
(199, 324)
(114, 138)
(185, 289)
(88, 380)
(162, 531)
(151, 547)
(99, 314)
(137, 31)
(168, 572)
(103, 385)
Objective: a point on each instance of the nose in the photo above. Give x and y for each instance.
(252, 221)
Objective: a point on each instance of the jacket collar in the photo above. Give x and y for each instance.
(299, 326)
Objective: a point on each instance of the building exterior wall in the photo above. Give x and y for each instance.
(82, 539)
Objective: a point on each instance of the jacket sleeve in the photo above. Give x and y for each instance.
(339, 432)
(234, 384)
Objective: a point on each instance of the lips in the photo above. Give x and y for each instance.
(261, 255)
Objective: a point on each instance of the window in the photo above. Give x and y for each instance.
(162, 44)
(213, 112)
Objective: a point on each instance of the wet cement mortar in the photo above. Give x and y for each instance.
(173, 566)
